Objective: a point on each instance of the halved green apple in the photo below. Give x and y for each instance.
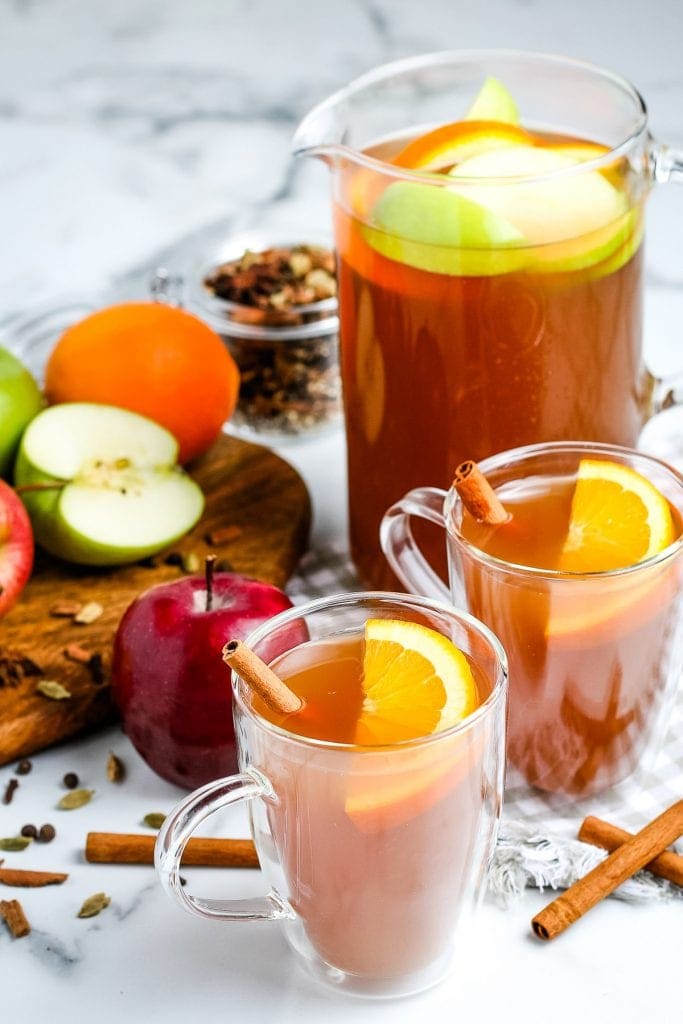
(435, 229)
(118, 494)
(493, 103)
(573, 220)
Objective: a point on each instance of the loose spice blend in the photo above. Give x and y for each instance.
(289, 367)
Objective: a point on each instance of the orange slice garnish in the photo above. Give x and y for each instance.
(416, 682)
(617, 519)
(452, 143)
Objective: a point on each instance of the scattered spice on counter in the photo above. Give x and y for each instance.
(52, 689)
(94, 905)
(90, 612)
(29, 831)
(76, 798)
(96, 669)
(223, 535)
(65, 609)
(74, 652)
(24, 767)
(15, 844)
(46, 833)
(154, 819)
(10, 790)
(70, 780)
(173, 558)
(15, 918)
(288, 384)
(116, 770)
(191, 563)
(30, 879)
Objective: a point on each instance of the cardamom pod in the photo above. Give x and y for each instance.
(116, 771)
(154, 820)
(15, 843)
(76, 798)
(94, 904)
(52, 689)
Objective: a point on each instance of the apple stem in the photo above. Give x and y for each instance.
(208, 576)
(44, 485)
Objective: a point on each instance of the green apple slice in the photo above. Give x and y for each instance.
(572, 220)
(493, 103)
(437, 230)
(123, 496)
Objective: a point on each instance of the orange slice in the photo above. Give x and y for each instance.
(452, 143)
(617, 519)
(416, 682)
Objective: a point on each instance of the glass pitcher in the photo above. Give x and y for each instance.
(494, 300)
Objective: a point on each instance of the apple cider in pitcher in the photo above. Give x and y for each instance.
(582, 586)
(378, 852)
(489, 297)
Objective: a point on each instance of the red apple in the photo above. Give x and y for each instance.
(168, 676)
(16, 547)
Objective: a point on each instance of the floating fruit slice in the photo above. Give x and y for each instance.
(493, 103)
(452, 143)
(416, 682)
(435, 229)
(582, 209)
(617, 519)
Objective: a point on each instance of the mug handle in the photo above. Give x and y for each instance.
(179, 826)
(400, 547)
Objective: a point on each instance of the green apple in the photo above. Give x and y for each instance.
(20, 401)
(435, 229)
(493, 103)
(118, 494)
(574, 218)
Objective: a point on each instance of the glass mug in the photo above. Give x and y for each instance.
(595, 658)
(375, 855)
(459, 348)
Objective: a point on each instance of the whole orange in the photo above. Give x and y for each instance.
(153, 359)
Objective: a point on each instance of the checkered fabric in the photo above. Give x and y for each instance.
(630, 805)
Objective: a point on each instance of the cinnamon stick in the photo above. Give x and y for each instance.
(477, 495)
(116, 848)
(630, 857)
(30, 879)
(15, 918)
(256, 674)
(608, 837)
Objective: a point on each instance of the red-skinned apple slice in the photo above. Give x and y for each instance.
(16, 547)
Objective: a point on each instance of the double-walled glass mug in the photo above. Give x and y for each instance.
(375, 855)
(496, 305)
(595, 658)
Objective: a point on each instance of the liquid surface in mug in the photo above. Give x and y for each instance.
(381, 849)
(590, 657)
(477, 318)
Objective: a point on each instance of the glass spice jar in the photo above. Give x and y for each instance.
(274, 304)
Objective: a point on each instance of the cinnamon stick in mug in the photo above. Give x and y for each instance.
(477, 495)
(630, 857)
(261, 679)
(608, 837)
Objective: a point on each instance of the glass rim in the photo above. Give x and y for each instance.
(514, 456)
(388, 597)
(465, 56)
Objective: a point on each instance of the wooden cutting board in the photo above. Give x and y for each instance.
(249, 489)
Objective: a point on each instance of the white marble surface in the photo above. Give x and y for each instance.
(126, 128)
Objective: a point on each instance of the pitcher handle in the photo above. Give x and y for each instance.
(179, 826)
(400, 547)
